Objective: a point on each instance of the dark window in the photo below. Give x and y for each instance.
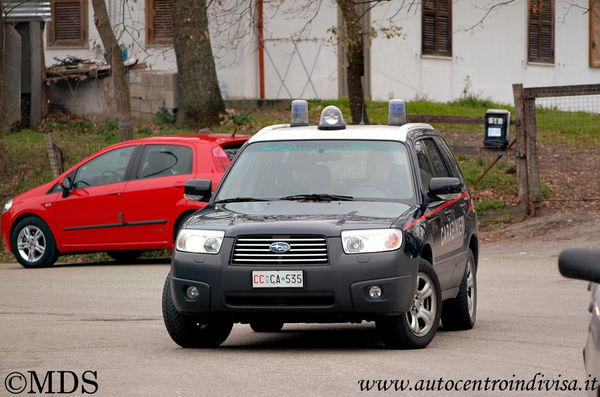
(436, 27)
(448, 158)
(159, 21)
(541, 31)
(69, 23)
(165, 160)
(431, 164)
(107, 168)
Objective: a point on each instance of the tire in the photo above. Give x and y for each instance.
(416, 328)
(460, 313)
(189, 331)
(33, 244)
(266, 325)
(124, 256)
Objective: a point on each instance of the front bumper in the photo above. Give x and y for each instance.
(337, 291)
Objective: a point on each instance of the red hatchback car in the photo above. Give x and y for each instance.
(124, 199)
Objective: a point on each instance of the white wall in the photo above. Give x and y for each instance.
(493, 55)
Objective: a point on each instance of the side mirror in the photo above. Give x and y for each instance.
(197, 190)
(581, 264)
(67, 185)
(439, 186)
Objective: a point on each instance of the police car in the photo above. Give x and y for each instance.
(326, 224)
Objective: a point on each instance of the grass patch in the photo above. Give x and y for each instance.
(567, 127)
(501, 177)
(482, 206)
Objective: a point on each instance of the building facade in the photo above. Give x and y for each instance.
(442, 50)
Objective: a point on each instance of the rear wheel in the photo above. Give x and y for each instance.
(416, 328)
(190, 331)
(124, 256)
(266, 325)
(460, 313)
(33, 244)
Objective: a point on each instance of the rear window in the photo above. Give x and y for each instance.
(231, 150)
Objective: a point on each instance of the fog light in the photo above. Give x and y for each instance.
(375, 292)
(192, 292)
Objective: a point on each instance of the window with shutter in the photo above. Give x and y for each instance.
(595, 33)
(69, 23)
(436, 30)
(159, 21)
(541, 31)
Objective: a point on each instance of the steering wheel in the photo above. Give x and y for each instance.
(110, 176)
(77, 184)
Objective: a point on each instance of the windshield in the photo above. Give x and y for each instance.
(369, 170)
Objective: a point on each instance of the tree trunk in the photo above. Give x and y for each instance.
(355, 56)
(199, 102)
(119, 78)
(3, 123)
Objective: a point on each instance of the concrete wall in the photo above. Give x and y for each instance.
(488, 58)
(151, 90)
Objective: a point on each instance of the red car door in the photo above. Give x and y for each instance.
(151, 198)
(91, 216)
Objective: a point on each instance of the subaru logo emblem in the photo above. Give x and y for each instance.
(279, 247)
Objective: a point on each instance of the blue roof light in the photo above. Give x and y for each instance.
(396, 112)
(299, 113)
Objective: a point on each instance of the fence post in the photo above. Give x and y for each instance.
(532, 156)
(521, 160)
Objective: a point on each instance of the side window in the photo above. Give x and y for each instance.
(107, 168)
(449, 158)
(540, 32)
(159, 21)
(431, 164)
(69, 24)
(165, 160)
(436, 27)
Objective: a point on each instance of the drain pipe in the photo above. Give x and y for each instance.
(261, 49)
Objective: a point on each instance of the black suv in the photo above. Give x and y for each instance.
(329, 223)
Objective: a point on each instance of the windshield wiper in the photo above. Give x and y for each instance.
(238, 200)
(318, 197)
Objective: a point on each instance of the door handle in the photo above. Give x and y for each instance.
(115, 194)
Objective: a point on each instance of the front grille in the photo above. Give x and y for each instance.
(254, 250)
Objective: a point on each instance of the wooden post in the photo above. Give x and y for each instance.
(36, 76)
(521, 160)
(54, 153)
(533, 168)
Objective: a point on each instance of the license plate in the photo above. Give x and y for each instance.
(277, 279)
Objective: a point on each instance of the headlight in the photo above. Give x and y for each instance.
(373, 240)
(7, 206)
(199, 241)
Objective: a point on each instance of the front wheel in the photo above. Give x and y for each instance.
(33, 244)
(416, 328)
(190, 331)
